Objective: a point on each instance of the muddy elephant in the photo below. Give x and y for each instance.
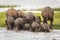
(48, 14)
(10, 23)
(26, 26)
(45, 27)
(29, 17)
(38, 19)
(35, 27)
(20, 13)
(19, 24)
(12, 13)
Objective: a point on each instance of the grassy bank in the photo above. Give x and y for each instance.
(56, 19)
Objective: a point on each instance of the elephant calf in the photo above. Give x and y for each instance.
(35, 27)
(10, 23)
(26, 26)
(45, 27)
(19, 23)
(38, 19)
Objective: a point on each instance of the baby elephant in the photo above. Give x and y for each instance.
(45, 27)
(38, 19)
(35, 27)
(10, 23)
(26, 26)
(19, 24)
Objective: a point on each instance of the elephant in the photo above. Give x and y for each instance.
(29, 18)
(35, 27)
(26, 26)
(20, 13)
(10, 23)
(48, 14)
(12, 13)
(38, 19)
(19, 24)
(45, 27)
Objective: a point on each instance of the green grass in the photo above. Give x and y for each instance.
(2, 19)
(56, 19)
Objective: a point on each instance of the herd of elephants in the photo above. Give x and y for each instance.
(18, 20)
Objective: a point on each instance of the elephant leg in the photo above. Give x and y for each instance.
(39, 29)
(45, 20)
(33, 29)
(6, 24)
(9, 26)
(47, 30)
(16, 27)
(12, 26)
(42, 29)
(51, 23)
(36, 30)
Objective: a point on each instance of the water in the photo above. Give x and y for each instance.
(27, 35)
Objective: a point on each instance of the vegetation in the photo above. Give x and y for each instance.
(55, 9)
(2, 19)
(8, 6)
(56, 19)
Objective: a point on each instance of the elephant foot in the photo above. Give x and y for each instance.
(50, 26)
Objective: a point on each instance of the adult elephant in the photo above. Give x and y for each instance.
(29, 18)
(47, 14)
(11, 13)
(20, 13)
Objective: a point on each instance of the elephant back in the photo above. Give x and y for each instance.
(11, 12)
(47, 11)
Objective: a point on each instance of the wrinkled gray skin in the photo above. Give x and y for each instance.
(47, 14)
(38, 19)
(45, 27)
(26, 26)
(29, 17)
(19, 24)
(11, 13)
(10, 23)
(35, 27)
